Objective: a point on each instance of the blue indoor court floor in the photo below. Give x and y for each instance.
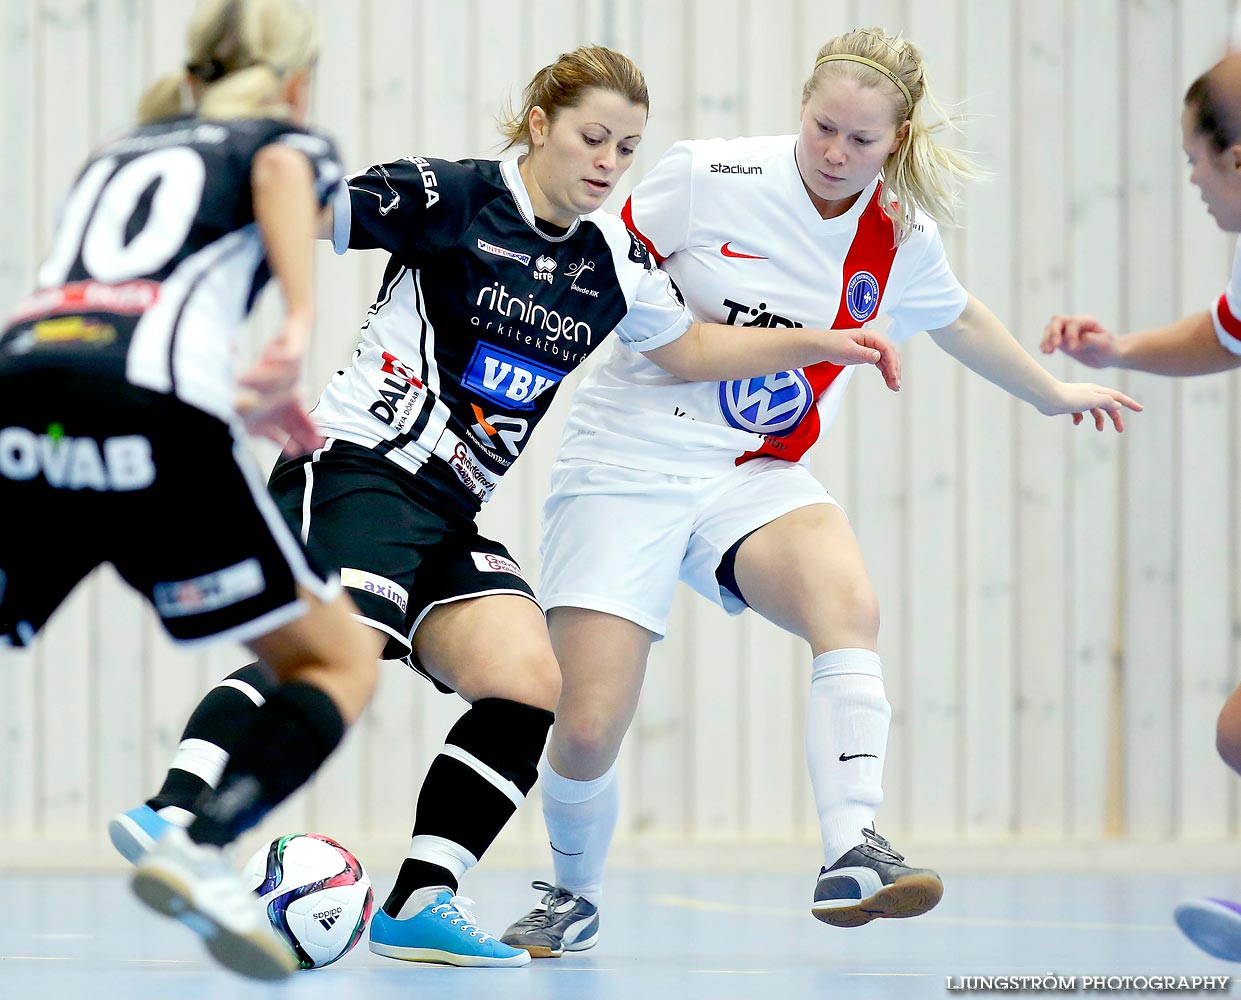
(665, 934)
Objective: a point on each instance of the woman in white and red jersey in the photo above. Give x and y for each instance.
(1202, 343)
(704, 481)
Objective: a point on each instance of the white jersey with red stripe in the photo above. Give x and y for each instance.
(1227, 312)
(731, 222)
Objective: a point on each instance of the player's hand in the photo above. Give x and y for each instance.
(1083, 338)
(864, 347)
(1080, 398)
(269, 398)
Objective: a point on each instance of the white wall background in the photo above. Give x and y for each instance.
(1060, 607)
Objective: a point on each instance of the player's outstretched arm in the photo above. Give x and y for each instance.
(982, 343)
(715, 352)
(1186, 347)
(269, 394)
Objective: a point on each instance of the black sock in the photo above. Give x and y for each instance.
(284, 744)
(220, 719)
(415, 874)
(461, 804)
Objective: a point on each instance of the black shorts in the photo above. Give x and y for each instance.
(400, 552)
(95, 470)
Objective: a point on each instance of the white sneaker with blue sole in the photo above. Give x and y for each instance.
(444, 932)
(135, 832)
(197, 885)
(1214, 925)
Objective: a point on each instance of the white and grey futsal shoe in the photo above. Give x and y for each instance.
(561, 922)
(873, 881)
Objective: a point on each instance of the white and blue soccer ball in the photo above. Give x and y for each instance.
(317, 895)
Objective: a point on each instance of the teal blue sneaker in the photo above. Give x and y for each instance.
(135, 832)
(444, 932)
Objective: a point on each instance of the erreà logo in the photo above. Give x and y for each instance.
(543, 268)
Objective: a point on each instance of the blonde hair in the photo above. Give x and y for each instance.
(564, 83)
(240, 52)
(921, 173)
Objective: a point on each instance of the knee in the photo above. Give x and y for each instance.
(531, 679)
(848, 615)
(354, 684)
(365, 671)
(543, 673)
(589, 739)
(862, 604)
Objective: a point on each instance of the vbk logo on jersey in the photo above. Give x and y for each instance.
(862, 296)
(771, 405)
(508, 379)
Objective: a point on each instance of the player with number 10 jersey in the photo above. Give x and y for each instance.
(157, 259)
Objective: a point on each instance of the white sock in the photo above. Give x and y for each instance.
(176, 815)
(846, 739)
(581, 817)
(420, 899)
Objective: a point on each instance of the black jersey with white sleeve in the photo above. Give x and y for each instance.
(482, 311)
(156, 259)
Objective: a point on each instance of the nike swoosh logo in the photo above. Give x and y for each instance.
(567, 854)
(733, 253)
(852, 756)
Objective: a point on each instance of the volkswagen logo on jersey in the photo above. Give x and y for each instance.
(862, 296)
(771, 405)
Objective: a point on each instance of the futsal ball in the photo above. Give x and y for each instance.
(317, 896)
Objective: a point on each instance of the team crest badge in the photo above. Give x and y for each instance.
(862, 296)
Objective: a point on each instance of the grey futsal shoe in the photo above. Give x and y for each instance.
(561, 922)
(871, 881)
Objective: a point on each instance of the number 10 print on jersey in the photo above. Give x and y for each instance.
(157, 259)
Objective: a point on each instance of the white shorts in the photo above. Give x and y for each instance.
(617, 540)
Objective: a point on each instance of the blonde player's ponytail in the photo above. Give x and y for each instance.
(240, 53)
